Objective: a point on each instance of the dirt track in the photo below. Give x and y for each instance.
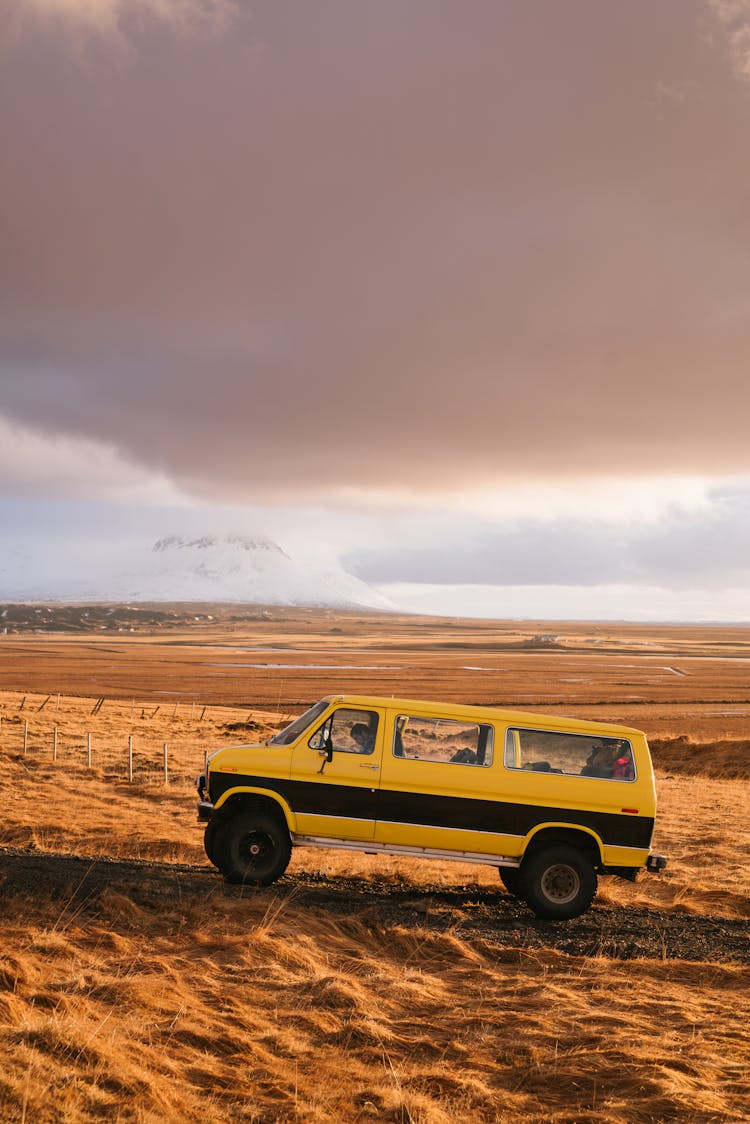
(467, 911)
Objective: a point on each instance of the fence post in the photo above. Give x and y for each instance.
(130, 759)
(54, 744)
(25, 737)
(88, 750)
(166, 766)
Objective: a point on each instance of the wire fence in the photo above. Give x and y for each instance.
(132, 760)
(126, 740)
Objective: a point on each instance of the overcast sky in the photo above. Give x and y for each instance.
(459, 291)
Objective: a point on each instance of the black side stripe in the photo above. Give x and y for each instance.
(460, 812)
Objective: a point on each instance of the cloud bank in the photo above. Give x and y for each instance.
(265, 251)
(704, 548)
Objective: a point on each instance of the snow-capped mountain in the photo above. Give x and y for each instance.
(228, 568)
(234, 568)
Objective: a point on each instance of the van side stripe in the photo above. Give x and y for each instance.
(463, 813)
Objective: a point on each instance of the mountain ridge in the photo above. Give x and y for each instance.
(228, 568)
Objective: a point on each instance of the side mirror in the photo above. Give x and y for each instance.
(323, 745)
(327, 754)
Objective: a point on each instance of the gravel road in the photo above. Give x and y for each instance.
(467, 911)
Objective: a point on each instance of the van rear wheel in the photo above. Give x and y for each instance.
(558, 882)
(510, 876)
(253, 848)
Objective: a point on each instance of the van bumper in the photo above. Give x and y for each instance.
(205, 810)
(205, 807)
(655, 863)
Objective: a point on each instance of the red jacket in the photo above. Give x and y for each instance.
(623, 768)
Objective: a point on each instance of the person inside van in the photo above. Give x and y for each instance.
(610, 759)
(596, 765)
(362, 738)
(623, 768)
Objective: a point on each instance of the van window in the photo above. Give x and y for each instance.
(442, 739)
(347, 731)
(578, 755)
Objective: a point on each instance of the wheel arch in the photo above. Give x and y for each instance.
(546, 835)
(258, 799)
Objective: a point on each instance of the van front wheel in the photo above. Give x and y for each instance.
(253, 848)
(209, 838)
(558, 883)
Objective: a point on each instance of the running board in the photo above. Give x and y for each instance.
(371, 848)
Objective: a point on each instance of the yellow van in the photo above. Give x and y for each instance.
(551, 802)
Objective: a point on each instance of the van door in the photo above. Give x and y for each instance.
(436, 789)
(335, 775)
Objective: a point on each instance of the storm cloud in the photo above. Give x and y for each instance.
(269, 250)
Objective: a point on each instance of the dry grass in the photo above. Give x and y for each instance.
(240, 1012)
(264, 1008)
(291, 657)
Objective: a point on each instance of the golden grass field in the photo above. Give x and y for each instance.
(136, 985)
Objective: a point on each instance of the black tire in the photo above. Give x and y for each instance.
(559, 882)
(253, 848)
(510, 876)
(209, 838)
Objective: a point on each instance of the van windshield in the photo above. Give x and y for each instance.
(291, 732)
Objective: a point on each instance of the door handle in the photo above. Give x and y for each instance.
(368, 766)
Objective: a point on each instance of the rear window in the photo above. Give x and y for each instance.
(577, 755)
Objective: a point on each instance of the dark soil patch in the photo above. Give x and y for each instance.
(467, 911)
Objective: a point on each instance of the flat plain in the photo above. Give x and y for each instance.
(135, 984)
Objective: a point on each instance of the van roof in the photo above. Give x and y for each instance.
(486, 713)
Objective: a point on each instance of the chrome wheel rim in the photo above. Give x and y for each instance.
(560, 883)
